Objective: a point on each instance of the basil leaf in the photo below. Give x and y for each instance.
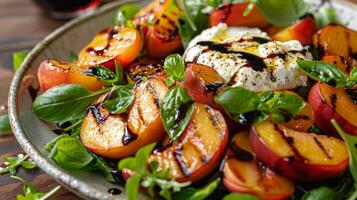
(351, 142)
(5, 123)
(103, 73)
(352, 79)
(119, 73)
(18, 58)
(285, 106)
(126, 12)
(119, 100)
(323, 72)
(282, 13)
(237, 196)
(102, 166)
(132, 187)
(69, 153)
(28, 165)
(73, 57)
(197, 194)
(322, 193)
(175, 67)
(63, 103)
(176, 110)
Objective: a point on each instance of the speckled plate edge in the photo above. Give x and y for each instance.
(81, 188)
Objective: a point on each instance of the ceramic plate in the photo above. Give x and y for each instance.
(33, 134)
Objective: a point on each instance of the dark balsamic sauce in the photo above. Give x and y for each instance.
(100, 51)
(261, 40)
(118, 176)
(256, 62)
(58, 131)
(97, 114)
(248, 118)
(63, 125)
(213, 87)
(114, 191)
(179, 115)
(128, 137)
(240, 153)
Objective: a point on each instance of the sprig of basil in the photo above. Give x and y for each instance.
(174, 66)
(197, 194)
(247, 107)
(324, 72)
(119, 100)
(15, 162)
(125, 13)
(282, 13)
(64, 103)
(5, 124)
(176, 110)
(352, 79)
(327, 193)
(236, 196)
(18, 58)
(103, 73)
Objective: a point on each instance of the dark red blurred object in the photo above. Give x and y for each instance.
(67, 9)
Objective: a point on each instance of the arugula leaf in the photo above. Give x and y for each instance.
(31, 192)
(175, 67)
(73, 57)
(69, 153)
(325, 15)
(282, 13)
(352, 79)
(103, 73)
(246, 107)
(15, 162)
(64, 103)
(125, 13)
(18, 58)
(119, 101)
(324, 72)
(176, 110)
(5, 124)
(197, 194)
(236, 196)
(351, 142)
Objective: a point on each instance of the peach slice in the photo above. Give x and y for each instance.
(333, 103)
(243, 173)
(199, 149)
(298, 155)
(121, 135)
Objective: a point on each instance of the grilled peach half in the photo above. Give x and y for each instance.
(116, 43)
(198, 151)
(202, 83)
(121, 135)
(52, 73)
(298, 155)
(303, 31)
(243, 173)
(333, 103)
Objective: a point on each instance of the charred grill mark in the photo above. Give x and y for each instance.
(128, 137)
(177, 153)
(240, 153)
(301, 117)
(212, 116)
(95, 110)
(317, 141)
(237, 173)
(200, 148)
(140, 115)
(153, 92)
(333, 101)
(290, 141)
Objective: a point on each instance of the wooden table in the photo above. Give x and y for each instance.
(22, 26)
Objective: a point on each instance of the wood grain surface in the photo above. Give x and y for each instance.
(23, 25)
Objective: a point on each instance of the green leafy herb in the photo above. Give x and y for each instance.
(64, 103)
(324, 72)
(69, 153)
(73, 57)
(237, 196)
(351, 142)
(103, 73)
(125, 13)
(325, 15)
(176, 110)
(119, 101)
(5, 124)
(175, 67)
(18, 58)
(352, 79)
(30, 192)
(282, 13)
(148, 178)
(327, 193)
(197, 194)
(247, 107)
(14, 162)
